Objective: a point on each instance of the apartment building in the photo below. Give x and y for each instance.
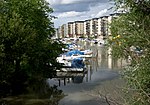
(64, 31)
(99, 28)
(84, 30)
(73, 30)
(87, 28)
(79, 28)
(57, 33)
(70, 29)
(96, 28)
(104, 27)
(110, 19)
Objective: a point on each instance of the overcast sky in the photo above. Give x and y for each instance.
(77, 10)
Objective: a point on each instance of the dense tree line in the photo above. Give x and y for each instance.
(27, 53)
(131, 38)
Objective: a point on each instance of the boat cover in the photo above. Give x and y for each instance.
(77, 63)
(74, 52)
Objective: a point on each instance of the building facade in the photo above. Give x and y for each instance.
(79, 29)
(87, 28)
(70, 29)
(92, 28)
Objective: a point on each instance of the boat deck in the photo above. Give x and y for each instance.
(69, 69)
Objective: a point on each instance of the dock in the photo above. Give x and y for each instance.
(70, 69)
(76, 77)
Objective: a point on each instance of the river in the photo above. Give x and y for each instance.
(100, 85)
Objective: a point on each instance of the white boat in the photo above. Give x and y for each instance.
(66, 59)
(87, 52)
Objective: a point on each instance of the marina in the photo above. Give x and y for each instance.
(101, 73)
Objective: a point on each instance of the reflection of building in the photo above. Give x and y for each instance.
(109, 61)
(88, 75)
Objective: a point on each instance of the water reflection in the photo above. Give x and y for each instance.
(109, 61)
(102, 74)
(99, 65)
(103, 59)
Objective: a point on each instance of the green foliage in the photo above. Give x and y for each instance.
(138, 80)
(132, 29)
(26, 50)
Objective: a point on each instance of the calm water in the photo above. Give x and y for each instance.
(102, 77)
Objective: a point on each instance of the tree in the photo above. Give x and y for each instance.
(26, 50)
(130, 37)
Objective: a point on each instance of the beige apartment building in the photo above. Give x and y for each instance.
(79, 28)
(97, 28)
(57, 33)
(87, 28)
(70, 29)
(62, 31)
(73, 30)
(84, 30)
(94, 27)
(104, 27)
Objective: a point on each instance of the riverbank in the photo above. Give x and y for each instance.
(31, 99)
(99, 93)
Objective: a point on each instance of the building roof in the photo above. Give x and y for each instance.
(95, 18)
(79, 21)
(70, 22)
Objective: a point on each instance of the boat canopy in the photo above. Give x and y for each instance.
(74, 52)
(77, 63)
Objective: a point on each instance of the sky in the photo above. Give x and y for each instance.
(79, 10)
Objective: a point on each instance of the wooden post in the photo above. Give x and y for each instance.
(59, 81)
(64, 81)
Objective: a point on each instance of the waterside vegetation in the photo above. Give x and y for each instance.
(27, 53)
(130, 38)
